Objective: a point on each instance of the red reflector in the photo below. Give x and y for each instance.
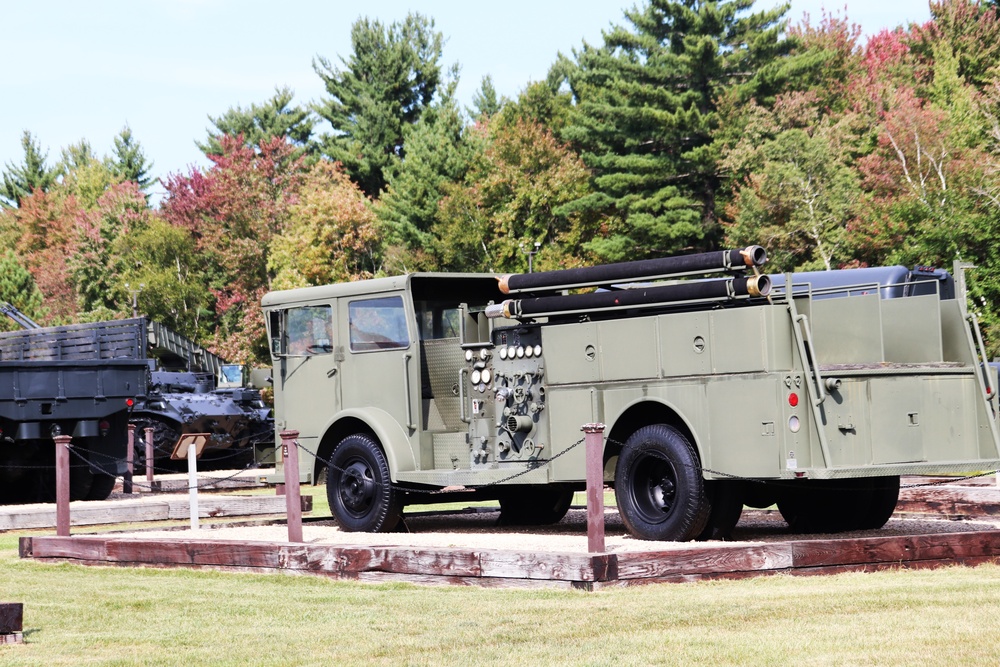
(104, 424)
(129, 402)
(793, 399)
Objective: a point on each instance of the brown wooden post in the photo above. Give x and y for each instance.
(62, 484)
(293, 499)
(149, 457)
(594, 442)
(11, 622)
(129, 460)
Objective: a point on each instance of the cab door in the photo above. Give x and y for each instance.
(307, 366)
(379, 356)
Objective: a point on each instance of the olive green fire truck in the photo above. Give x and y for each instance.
(720, 387)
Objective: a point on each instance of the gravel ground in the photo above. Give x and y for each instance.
(480, 531)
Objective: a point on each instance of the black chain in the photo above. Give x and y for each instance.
(204, 482)
(536, 464)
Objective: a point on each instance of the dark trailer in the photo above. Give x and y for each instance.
(78, 380)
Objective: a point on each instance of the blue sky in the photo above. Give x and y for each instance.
(76, 70)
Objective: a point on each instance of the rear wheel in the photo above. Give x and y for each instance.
(726, 498)
(839, 505)
(534, 505)
(358, 486)
(884, 496)
(658, 486)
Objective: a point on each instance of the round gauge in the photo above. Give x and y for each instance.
(510, 352)
(476, 376)
(520, 351)
(503, 353)
(484, 354)
(529, 352)
(468, 355)
(486, 376)
(538, 350)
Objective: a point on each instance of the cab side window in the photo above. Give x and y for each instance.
(378, 324)
(310, 330)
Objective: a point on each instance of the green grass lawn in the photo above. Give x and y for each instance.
(76, 615)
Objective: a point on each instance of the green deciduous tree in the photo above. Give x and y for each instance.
(84, 175)
(799, 201)
(514, 195)
(163, 260)
(20, 180)
(389, 79)
(17, 287)
(98, 266)
(646, 112)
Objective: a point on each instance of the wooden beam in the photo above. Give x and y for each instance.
(161, 508)
(529, 569)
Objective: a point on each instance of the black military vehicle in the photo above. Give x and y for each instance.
(199, 402)
(79, 380)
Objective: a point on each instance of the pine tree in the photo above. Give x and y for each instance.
(129, 162)
(260, 123)
(436, 156)
(19, 181)
(646, 112)
(388, 81)
(486, 103)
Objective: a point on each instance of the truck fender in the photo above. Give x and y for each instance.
(390, 434)
(647, 410)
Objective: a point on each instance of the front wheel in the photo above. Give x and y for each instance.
(358, 486)
(659, 487)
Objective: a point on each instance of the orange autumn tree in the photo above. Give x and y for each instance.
(331, 235)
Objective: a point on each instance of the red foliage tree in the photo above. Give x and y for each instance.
(233, 211)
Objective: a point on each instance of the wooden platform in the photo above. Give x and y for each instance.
(951, 500)
(527, 569)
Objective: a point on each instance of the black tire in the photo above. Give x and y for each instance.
(534, 505)
(358, 486)
(759, 494)
(101, 486)
(658, 486)
(80, 479)
(884, 496)
(726, 499)
(839, 505)
(164, 438)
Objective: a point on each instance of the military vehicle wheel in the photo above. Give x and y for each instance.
(884, 496)
(534, 505)
(833, 506)
(101, 486)
(164, 439)
(358, 486)
(658, 486)
(726, 498)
